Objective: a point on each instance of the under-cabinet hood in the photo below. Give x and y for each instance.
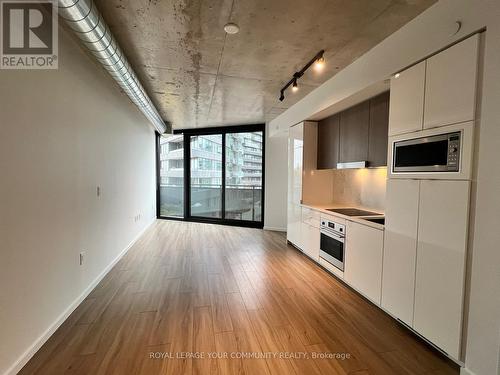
(352, 165)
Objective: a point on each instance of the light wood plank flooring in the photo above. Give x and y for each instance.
(214, 291)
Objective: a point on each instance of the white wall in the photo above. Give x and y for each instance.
(276, 182)
(62, 133)
(426, 34)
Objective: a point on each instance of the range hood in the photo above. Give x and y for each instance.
(352, 165)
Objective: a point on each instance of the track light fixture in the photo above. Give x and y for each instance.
(319, 62)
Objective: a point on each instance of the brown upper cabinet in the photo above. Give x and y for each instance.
(354, 130)
(379, 128)
(328, 142)
(357, 134)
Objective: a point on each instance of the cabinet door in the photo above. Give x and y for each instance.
(441, 253)
(295, 163)
(379, 130)
(328, 142)
(400, 248)
(312, 245)
(294, 225)
(363, 259)
(406, 107)
(354, 127)
(450, 84)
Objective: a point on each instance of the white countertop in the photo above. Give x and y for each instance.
(357, 219)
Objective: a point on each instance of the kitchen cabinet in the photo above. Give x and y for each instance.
(424, 257)
(328, 142)
(294, 225)
(312, 239)
(378, 130)
(436, 92)
(295, 167)
(450, 84)
(354, 130)
(441, 255)
(359, 133)
(363, 259)
(400, 248)
(407, 100)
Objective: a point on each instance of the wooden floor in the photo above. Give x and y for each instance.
(197, 290)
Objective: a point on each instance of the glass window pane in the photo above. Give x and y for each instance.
(172, 175)
(206, 176)
(244, 176)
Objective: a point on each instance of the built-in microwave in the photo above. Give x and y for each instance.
(434, 153)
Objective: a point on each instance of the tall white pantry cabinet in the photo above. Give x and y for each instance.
(295, 166)
(427, 220)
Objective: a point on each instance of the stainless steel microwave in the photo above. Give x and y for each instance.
(436, 153)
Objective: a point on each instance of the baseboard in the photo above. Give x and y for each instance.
(274, 229)
(26, 356)
(465, 371)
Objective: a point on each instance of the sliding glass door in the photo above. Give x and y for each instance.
(213, 175)
(206, 176)
(243, 182)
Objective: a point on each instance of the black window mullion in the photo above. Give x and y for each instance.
(223, 184)
(187, 176)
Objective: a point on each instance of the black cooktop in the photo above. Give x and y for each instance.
(352, 212)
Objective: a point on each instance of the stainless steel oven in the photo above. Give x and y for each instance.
(437, 153)
(332, 241)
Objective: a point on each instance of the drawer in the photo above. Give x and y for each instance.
(310, 214)
(313, 222)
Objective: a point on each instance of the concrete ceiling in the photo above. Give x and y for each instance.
(200, 76)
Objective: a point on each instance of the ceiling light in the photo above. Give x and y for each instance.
(320, 64)
(231, 28)
(295, 87)
(397, 75)
(282, 96)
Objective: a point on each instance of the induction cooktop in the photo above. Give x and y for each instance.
(352, 212)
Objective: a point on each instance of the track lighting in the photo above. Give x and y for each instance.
(318, 61)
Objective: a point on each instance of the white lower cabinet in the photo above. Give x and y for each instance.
(312, 241)
(400, 248)
(441, 254)
(424, 257)
(363, 259)
(294, 225)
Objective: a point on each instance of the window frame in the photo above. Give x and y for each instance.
(223, 130)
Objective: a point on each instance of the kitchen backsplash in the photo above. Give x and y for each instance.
(360, 187)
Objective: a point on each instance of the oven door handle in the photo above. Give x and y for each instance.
(333, 235)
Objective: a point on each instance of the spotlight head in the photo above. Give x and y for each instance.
(295, 87)
(282, 96)
(319, 64)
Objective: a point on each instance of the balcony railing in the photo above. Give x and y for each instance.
(243, 202)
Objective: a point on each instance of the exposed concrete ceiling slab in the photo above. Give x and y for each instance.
(200, 76)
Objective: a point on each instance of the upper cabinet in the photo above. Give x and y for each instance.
(356, 134)
(354, 130)
(450, 84)
(377, 138)
(329, 142)
(406, 110)
(436, 92)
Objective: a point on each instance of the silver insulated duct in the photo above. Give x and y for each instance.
(87, 23)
